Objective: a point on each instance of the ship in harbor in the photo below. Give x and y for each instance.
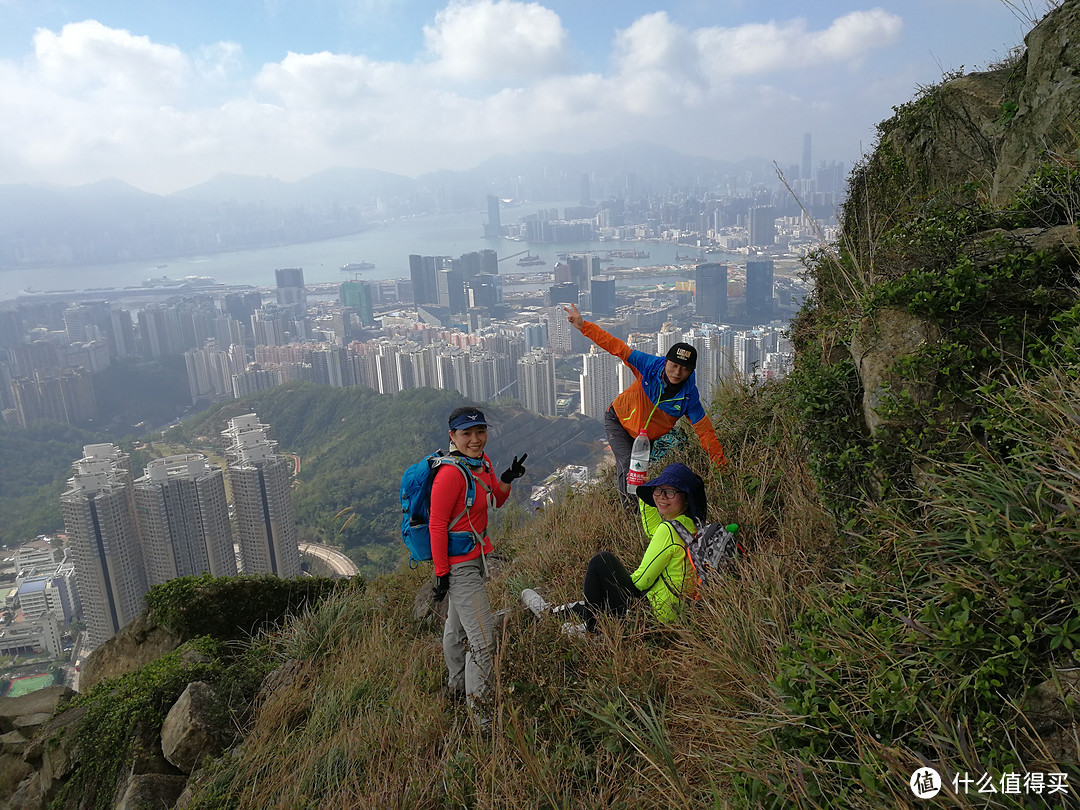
(528, 260)
(356, 267)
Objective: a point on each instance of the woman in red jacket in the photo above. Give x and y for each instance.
(461, 576)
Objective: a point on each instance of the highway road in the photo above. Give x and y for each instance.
(339, 562)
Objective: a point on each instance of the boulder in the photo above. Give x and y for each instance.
(151, 791)
(876, 344)
(1054, 723)
(280, 679)
(193, 730)
(13, 770)
(28, 724)
(13, 743)
(46, 701)
(136, 645)
(55, 730)
(147, 756)
(28, 795)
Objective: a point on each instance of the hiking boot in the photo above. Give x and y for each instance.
(574, 630)
(534, 602)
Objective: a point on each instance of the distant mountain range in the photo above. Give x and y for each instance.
(111, 221)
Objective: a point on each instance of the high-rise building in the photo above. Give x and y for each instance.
(183, 519)
(804, 169)
(603, 295)
(261, 483)
(759, 291)
(710, 292)
(159, 331)
(563, 293)
(290, 289)
(667, 337)
(357, 295)
(599, 382)
(560, 334)
(240, 306)
(493, 228)
(99, 518)
(536, 382)
(121, 331)
(424, 273)
(451, 289)
(749, 352)
(762, 226)
(65, 395)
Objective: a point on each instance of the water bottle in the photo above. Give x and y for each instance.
(639, 463)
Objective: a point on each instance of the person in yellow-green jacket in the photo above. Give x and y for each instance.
(665, 575)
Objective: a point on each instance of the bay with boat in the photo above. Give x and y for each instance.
(381, 252)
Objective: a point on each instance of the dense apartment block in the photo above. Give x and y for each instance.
(261, 483)
(99, 517)
(183, 519)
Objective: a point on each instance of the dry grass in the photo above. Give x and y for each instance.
(640, 715)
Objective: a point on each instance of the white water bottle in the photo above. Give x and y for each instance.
(639, 463)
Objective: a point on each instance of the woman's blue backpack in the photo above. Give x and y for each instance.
(416, 508)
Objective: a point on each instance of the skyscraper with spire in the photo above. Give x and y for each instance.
(99, 517)
(261, 483)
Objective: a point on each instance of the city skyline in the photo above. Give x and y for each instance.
(165, 96)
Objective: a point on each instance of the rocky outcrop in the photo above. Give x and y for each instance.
(43, 701)
(142, 641)
(876, 345)
(1047, 103)
(32, 771)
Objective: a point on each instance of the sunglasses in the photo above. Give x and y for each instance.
(666, 492)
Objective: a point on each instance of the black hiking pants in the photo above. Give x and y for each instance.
(608, 589)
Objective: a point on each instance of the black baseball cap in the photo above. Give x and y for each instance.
(684, 354)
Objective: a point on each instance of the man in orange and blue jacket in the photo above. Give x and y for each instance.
(664, 390)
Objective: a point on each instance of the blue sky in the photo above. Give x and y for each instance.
(164, 94)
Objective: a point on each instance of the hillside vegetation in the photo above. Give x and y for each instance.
(910, 495)
(911, 499)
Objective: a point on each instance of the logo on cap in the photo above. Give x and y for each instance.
(683, 354)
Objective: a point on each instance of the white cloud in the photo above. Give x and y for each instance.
(496, 39)
(654, 49)
(90, 56)
(93, 101)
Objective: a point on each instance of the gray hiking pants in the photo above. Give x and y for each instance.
(469, 635)
(621, 444)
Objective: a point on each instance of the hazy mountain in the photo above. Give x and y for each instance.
(112, 221)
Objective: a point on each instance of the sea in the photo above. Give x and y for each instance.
(386, 245)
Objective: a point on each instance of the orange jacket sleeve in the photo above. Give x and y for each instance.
(609, 343)
(706, 433)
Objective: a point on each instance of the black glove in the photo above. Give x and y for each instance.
(441, 586)
(515, 470)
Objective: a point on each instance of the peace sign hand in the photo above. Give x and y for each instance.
(574, 316)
